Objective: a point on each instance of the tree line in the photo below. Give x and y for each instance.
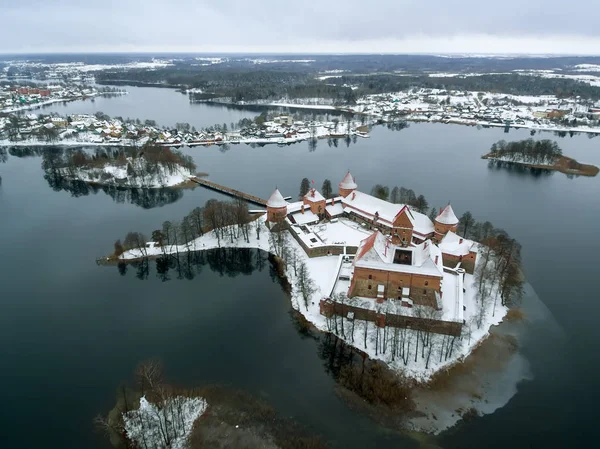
(402, 195)
(498, 265)
(227, 220)
(513, 84)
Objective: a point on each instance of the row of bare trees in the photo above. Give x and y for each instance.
(227, 220)
(294, 262)
(398, 343)
(498, 273)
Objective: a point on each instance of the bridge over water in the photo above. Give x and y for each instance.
(229, 191)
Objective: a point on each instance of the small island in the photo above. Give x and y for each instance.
(542, 154)
(148, 167)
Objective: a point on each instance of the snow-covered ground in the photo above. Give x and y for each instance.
(151, 427)
(324, 272)
(118, 175)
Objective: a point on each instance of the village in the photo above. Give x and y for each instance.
(14, 98)
(484, 109)
(86, 129)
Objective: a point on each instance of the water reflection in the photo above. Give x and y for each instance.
(145, 198)
(51, 157)
(230, 262)
(519, 169)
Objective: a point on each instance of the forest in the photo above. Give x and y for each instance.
(513, 84)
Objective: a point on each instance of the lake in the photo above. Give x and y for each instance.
(71, 331)
(166, 106)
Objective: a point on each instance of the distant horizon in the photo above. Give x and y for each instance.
(306, 53)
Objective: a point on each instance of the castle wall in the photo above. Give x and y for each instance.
(329, 308)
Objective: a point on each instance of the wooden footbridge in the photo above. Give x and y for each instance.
(229, 191)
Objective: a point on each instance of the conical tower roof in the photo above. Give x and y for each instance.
(348, 182)
(447, 216)
(276, 200)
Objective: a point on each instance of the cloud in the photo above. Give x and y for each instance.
(512, 26)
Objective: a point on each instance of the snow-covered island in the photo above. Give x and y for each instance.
(404, 288)
(150, 167)
(543, 154)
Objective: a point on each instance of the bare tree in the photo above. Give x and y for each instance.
(305, 284)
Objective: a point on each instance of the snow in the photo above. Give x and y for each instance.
(314, 196)
(367, 205)
(455, 245)
(447, 216)
(344, 232)
(276, 200)
(145, 426)
(109, 174)
(348, 182)
(377, 253)
(335, 209)
(325, 270)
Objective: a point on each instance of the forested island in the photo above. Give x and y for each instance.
(147, 167)
(537, 154)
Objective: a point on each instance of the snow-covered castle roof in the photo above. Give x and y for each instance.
(276, 200)
(447, 216)
(348, 182)
(314, 195)
(378, 252)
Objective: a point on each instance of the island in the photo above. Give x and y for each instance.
(415, 292)
(148, 167)
(541, 154)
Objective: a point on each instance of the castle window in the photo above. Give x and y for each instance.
(426, 283)
(369, 287)
(370, 276)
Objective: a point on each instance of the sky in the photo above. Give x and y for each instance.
(308, 26)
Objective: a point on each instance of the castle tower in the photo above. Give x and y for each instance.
(315, 201)
(347, 186)
(276, 207)
(444, 222)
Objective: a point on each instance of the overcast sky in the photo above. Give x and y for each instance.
(319, 26)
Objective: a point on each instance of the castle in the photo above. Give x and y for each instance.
(399, 254)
